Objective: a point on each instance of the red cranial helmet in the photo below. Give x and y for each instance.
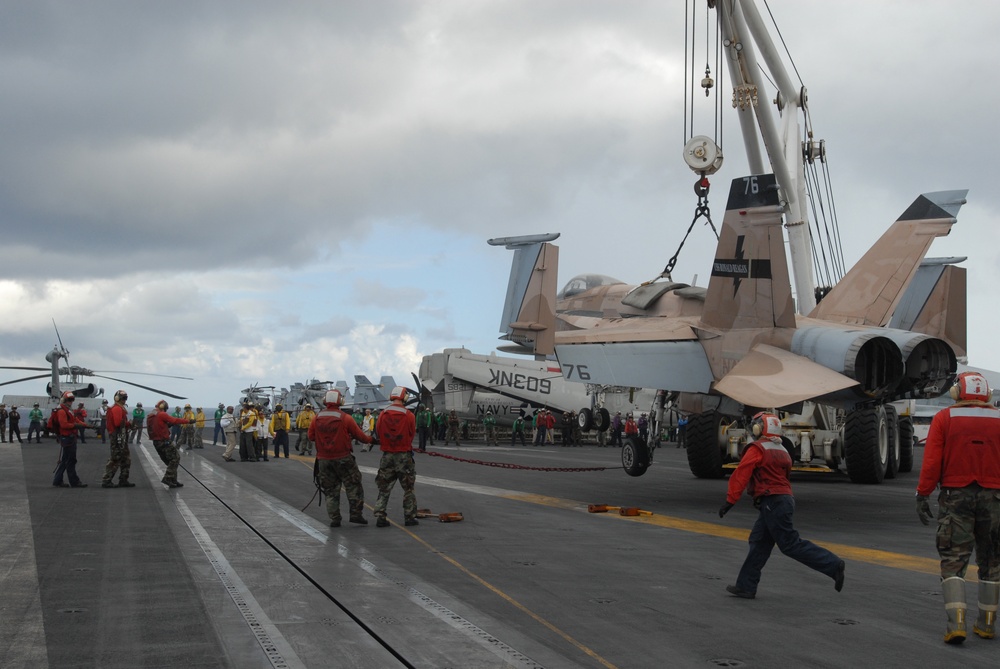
(765, 424)
(971, 386)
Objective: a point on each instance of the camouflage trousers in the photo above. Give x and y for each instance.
(302, 444)
(171, 457)
(491, 435)
(333, 474)
(452, 435)
(187, 437)
(121, 458)
(969, 517)
(393, 467)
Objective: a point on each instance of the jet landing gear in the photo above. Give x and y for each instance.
(599, 418)
(636, 456)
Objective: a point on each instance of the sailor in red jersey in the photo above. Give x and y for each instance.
(763, 473)
(116, 425)
(65, 424)
(158, 425)
(962, 455)
(396, 429)
(332, 430)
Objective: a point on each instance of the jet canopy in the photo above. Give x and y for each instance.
(584, 282)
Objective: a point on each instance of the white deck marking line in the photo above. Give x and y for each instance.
(276, 648)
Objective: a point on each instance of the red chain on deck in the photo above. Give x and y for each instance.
(508, 465)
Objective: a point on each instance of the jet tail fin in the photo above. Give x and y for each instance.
(935, 303)
(749, 286)
(529, 310)
(871, 291)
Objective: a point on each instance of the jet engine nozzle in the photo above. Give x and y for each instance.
(873, 360)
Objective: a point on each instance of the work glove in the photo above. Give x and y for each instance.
(724, 509)
(924, 510)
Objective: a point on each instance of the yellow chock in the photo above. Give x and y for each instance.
(633, 511)
(601, 508)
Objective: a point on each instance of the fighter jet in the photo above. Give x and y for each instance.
(723, 352)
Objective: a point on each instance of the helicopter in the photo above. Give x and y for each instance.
(71, 378)
(257, 394)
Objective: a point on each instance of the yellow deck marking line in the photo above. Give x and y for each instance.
(507, 598)
(844, 551)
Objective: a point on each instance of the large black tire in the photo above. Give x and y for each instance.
(585, 419)
(905, 445)
(866, 447)
(635, 457)
(602, 419)
(704, 451)
(892, 431)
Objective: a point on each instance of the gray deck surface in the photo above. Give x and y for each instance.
(228, 572)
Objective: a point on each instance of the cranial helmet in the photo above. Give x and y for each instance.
(121, 396)
(68, 396)
(398, 393)
(765, 424)
(971, 386)
(333, 397)
(162, 405)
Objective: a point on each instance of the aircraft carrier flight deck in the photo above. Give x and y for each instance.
(230, 571)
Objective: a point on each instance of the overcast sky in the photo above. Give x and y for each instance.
(261, 192)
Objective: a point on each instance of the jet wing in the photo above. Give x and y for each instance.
(772, 377)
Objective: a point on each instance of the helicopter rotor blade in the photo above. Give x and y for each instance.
(27, 378)
(122, 371)
(61, 347)
(30, 369)
(139, 385)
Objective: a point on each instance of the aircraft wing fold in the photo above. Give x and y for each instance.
(770, 377)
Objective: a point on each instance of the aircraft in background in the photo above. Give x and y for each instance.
(313, 391)
(368, 395)
(470, 384)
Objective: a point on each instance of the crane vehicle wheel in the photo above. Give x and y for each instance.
(905, 445)
(585, 419)
(635, 456)
(892, 431)
(866, 445)
(704, 440)
(602, 419)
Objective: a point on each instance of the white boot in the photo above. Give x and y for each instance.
(954, 605)
(989, 595)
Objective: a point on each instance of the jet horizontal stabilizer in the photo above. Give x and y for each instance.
(772, 377)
